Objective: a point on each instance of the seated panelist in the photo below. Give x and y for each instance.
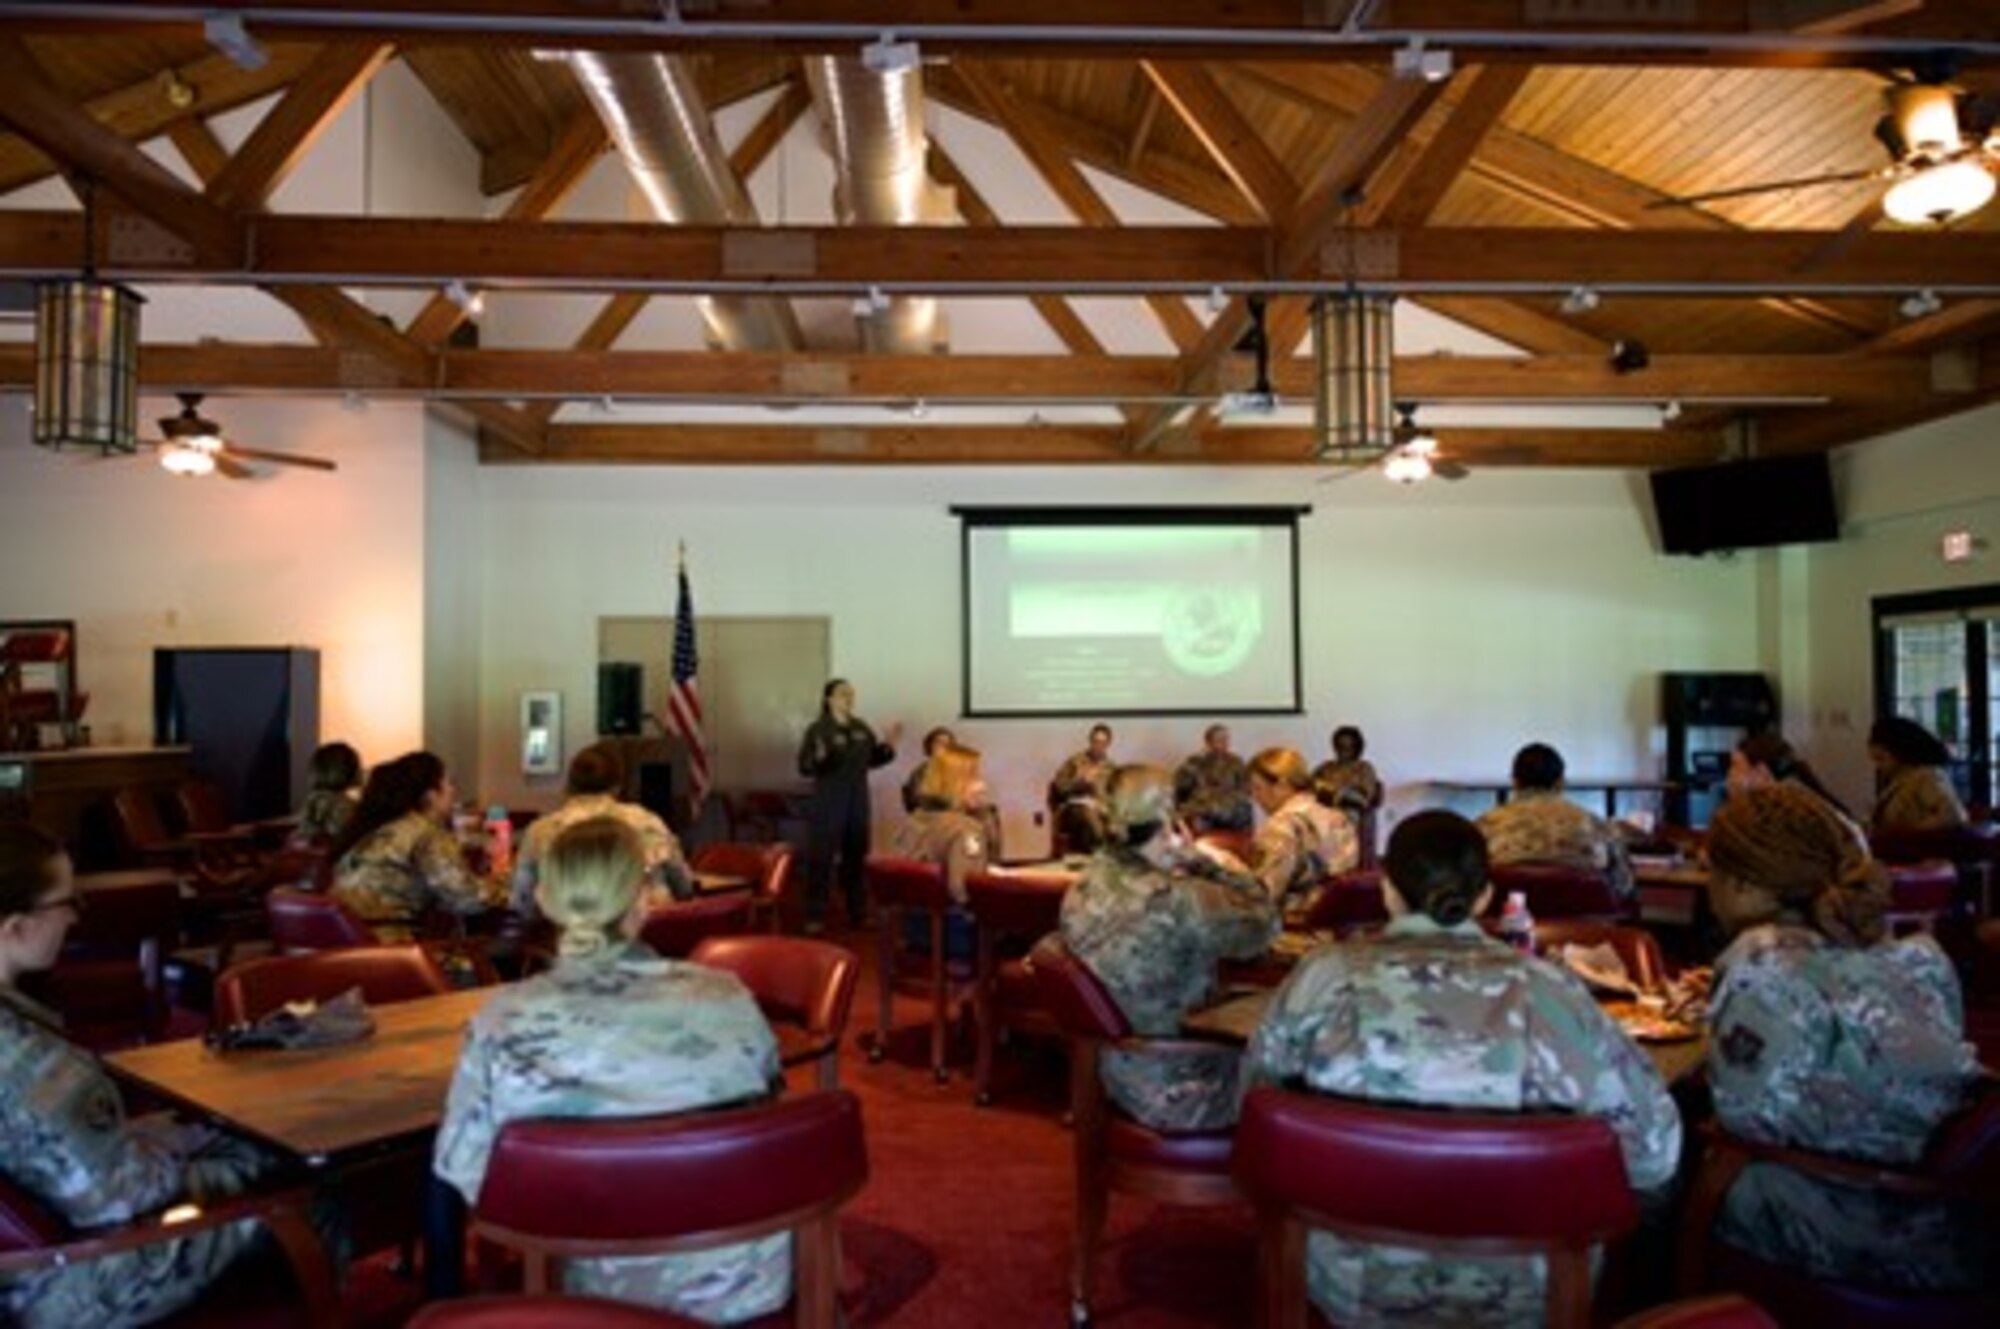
(1302, 841)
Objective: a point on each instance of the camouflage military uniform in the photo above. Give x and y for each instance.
(1077, 790)
(324, 815)
(405, 868)
(1447, 1017)
(665, 867)
(623, 1033)
(1299, 844)
(64, 1139)
(1918, 798)
(1212, 792)
(1351, 786)
(1857, 1052)
(1541, 826)
(1151, 925)
(959, 840)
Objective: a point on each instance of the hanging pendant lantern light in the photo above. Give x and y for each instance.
(87, 358)
(1353, 354)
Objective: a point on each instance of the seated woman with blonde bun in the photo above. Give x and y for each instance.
(615, 1031)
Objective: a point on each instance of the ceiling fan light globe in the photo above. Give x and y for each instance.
(1927, 118)
(1406, 467)
(187, 461)
(1938, 194)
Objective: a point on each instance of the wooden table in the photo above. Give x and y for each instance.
(718, 883)
(1235, 1020)
(1673, 895)
(321, 1104)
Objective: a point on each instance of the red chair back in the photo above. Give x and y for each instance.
(795, 980)
(568, 1186)
(1434, 1178)
(383, 973)
(545, 1312)
(1347, 901)
(1555, 890)
(767, 867)
(1636, 947)
(1924, 889)
(1073, 995)
(1959, 844)
(906, 883)
(1724, 1312)
(140, 824)
(304, 922)
(1017, 904)
(675, 930)
(203, 807)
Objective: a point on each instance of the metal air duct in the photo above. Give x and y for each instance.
(873, 113)
(654, 114)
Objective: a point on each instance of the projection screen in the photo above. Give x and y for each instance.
(1130, 611)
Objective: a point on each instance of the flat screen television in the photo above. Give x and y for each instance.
(1745, 504)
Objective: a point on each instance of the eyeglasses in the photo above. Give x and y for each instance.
(72, 902)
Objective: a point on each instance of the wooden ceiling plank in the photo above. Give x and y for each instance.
(1516, 323)
(1142, 133)
(39, 112)
(289, 129)
(199, 148)
(1021, 121)
(582, 142)
(141, 110)
(666, 444)
(1230, 140)
(1062, 319)
(1437, 166)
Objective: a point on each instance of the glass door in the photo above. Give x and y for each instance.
(1938, 663)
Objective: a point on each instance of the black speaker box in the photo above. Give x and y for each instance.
(620, 697)
(1743, 700)
(251, 716)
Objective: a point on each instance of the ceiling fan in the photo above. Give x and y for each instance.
(1413, 457)
(1944, 151)
(191, 444)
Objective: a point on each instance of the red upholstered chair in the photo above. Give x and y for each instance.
(577, 1189)
(1638, 948)
(1964, 1161)
(1013, 910)
(1920, 894)
(546, 1312)
(905, 888)
(1724, 1312)
(1973, 850)
(1555, 890)
(383, 973)
(219, 869)
(1348, 902)
(303, 922)
(805, 989)
(33, 1238)
(767, 867)
(1449, 1182)
(1114, 1152)
(109, 983)
(675, 930)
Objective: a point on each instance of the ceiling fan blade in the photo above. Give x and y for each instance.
(228, 467)
(1448, 470)
(1770, 187)
(281, 458)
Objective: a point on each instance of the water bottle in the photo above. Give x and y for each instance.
(499, 841)
(1517, 925)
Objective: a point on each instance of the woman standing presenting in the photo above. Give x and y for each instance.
(838, 752)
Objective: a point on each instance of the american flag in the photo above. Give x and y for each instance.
(683, 696)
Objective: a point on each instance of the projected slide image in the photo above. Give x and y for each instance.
(1130, 618)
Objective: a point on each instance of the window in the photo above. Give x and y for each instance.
(1937, 661)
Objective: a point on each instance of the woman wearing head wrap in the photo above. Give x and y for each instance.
(1151, 918)
(1825, 1037)
(615, 1031)
(1913, 793)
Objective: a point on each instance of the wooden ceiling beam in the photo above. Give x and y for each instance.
(770, 129)
(591, 370)
(1959, 322)
(1187, 29)
(1019, 119)
(1014, 445)
(40, 113)
(145, 109)
(1230, 140)
(288, 131)
(1515, 322)
(1184, 260)
(1438, 164)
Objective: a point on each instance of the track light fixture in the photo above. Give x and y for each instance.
(226, 33)
(472, 302)
(871, 303)
(886, 55)
(1920, 304)
(1629, 356)
(1581, 300)
(1414, 60)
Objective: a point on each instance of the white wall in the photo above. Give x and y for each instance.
(1899, 495)
(1452, 622)
(140, 558)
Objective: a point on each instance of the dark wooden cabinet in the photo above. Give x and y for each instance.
(249, 715)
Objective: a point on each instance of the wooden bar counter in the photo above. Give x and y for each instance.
(68, 791)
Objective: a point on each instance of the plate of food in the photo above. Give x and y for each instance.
(1648, 1025)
